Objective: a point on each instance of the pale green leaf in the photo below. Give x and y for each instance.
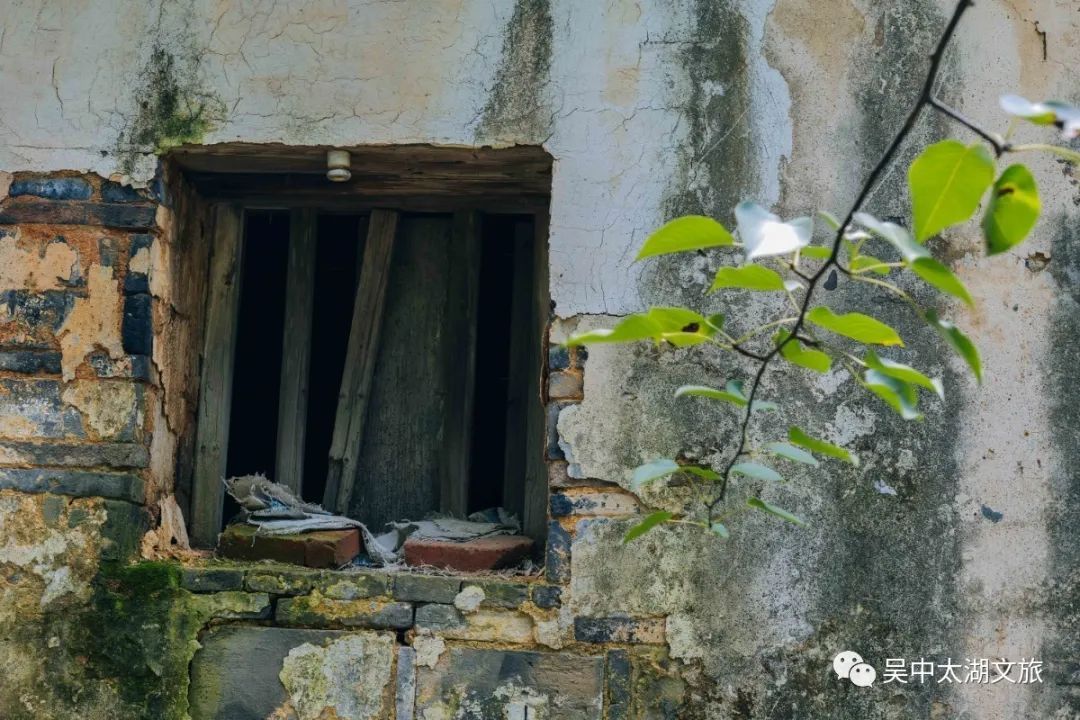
(650, 472)
(679, 326)
(816, 252)
(829, 219)
(798, 437)
(707, 474)
(897, 394)
(764, 405)
(1013, 211)
(791, 452)
(864, 262)
(757, 471)
(735, 398)
(946, 181)
(908, 374)
(747, 277)
(759, 504)
(958, 340)
(936, 274)
(796, 354)
(856, 326)
(692, 232)
(647, 524)
(719, 529)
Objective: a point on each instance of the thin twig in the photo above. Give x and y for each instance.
(925, 98)
(999, 144)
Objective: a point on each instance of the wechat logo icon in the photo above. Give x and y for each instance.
(850, 666)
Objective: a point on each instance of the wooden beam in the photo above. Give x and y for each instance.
(535, 517)
(360, 357)
(521, 367)
(215, 387)
(463, 299)
(296, 350)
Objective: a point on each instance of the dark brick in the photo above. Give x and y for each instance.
(617, 676)
(323, 549)
(113, 455)
(353, 586)
(281, 582)
(117, 215)
(561, 505)
(502, 594)
(114, 192)
(39, 407)
(137, 282)
(439, 617)
(30, 362)
(123, 529)
(548, 597)
(485, 553)
(121, 216)
(208, 580)
(137, 331)
(426, 588)
(554, 452)
(565, 386)
(37, 311)
(581, 354)
(558, 357)
(558, 553)
(618, 629)
(136, 367)
(120, 486)
(52, 188)
(344, 613)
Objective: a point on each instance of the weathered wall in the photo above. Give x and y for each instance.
(650, 109)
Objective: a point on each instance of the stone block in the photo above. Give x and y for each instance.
(210, 579)
(600, 504)
(232, 605)
(554, 452)
(65, 188)
(405, 690)
(66, 454)
(280, 582)
(253, 672)
(353, 586)
(31, 409)
(325, 549)
(558, 357)
(547, 597)
(500, 683)
(426, 588)
(557, 561)
(564, 385)
(120, 486)
(117, 215)
(114, 192)
(30, 362)
(487, 553)
(618, 676)
(317, 611)
(501, 594)
(619, 629)
(137, 327)
(438, 617)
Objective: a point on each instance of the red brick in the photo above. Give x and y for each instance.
(489, 553)
(324, 549)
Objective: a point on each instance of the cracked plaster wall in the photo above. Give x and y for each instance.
(651, 109)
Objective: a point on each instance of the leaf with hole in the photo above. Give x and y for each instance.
(900, 371)
(679, 326)
(1013, 211)
(796, 354)
(735, 398)
(650, 472)
(946, 181)
(958, 340)
(692, 232)
(896, 393)
(764, 234)
(747, 277)
(798, 437)
(759, 504)
(647, 524)
(856, 326)
(757, 471)
(792, 453)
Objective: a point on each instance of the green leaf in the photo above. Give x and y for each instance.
(1014, 209)
(650, 472)
(862, 262)
(829, 219)
(747, 277)
(897, 394)
(918, 257)
(715, 321)
(764, 234)
(816, 252)
(856, 326)
(692, 232)
(758, 471)
(764, 405)
(720, 530)
(1064, 116)
(798, 437)
(791, 453)
(796, 354)
(679, 326)
(908, 374)
(959, 341)
(647, 524)
(735, 398)
(946, 182)
(707, 474)
(759, 504)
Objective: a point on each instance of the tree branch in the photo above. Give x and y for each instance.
(999, 144)
(924, 98)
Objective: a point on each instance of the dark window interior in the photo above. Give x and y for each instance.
(258, 357)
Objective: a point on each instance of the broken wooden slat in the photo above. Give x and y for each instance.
(463, 296)
(534, 519)
(517, 384)
(400, 466)
(296, 350)
(215, 387)
(360, 358)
